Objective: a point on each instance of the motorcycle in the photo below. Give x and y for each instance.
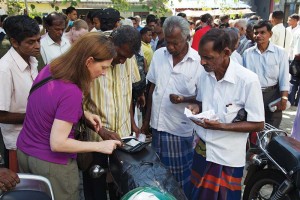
(273, 172)
(137, 166)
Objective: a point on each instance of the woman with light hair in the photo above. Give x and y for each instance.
(79, 28)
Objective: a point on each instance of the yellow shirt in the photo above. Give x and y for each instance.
(148, 53)
(112, 94)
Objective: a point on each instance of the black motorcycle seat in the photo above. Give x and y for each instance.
(286, 152)
(25, 194)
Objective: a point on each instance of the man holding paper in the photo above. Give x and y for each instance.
(225, 92)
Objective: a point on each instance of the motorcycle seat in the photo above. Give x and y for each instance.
(30, 187)
(286, 152)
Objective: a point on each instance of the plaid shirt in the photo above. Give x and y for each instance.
(244, 44)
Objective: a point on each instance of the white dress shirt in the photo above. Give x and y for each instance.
(180, 79)
(51, 50)
(281, 36)
(271, 66)
(240, 87)
(16, 78)
(295, 44)
(236, 57)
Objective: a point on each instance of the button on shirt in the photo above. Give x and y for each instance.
(241, 87)
(271, 66)
(16, 78)
(51, 50)
(181, 80)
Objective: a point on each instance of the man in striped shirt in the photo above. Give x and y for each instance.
(111, 99)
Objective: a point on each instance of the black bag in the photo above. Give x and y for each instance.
(83, 133)
(143, 168)
(139, 87)
(295, 68)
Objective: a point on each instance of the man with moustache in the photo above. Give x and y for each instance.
(173, 74)
(53, 44)
(220, 151)
(270, 63)
(18, 69)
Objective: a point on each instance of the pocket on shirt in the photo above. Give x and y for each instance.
(185, 85)
(230, 116)
(273, 71)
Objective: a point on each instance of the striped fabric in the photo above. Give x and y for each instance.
(175, 153)
(213, 181)
(112, 95)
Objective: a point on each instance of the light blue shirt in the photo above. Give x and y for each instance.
(271, 66)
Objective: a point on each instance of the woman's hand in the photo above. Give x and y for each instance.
(108, 146)
(94, 120)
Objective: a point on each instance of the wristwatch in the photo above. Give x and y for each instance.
(284, 97)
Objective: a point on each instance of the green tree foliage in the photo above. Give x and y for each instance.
(121, 5)
(15, 7)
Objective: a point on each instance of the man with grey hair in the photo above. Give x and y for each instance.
(244, 44)
(173, 74)
(138, 21)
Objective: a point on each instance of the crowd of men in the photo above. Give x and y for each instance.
(212, 65)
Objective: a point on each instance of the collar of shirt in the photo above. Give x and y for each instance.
(51, 42)
(22, 64)
(2, 30)
(280, 25)
(146, 44)
(243, 37)
(270, 48)
(107, 33)
(229, 75)
(188, 55)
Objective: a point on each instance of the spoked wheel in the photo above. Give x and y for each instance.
(264, 184)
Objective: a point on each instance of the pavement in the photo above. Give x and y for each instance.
(288, 119)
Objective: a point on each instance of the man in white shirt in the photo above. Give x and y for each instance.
(294, 53)
(54, 43)
(173, 75)
(234, 38)
(281, 36)
(18, 69)
(224, 89)
(293, 23)
(270, 63)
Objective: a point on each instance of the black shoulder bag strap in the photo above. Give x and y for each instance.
(39, 84)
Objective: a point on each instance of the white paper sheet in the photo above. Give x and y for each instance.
(210, 115)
